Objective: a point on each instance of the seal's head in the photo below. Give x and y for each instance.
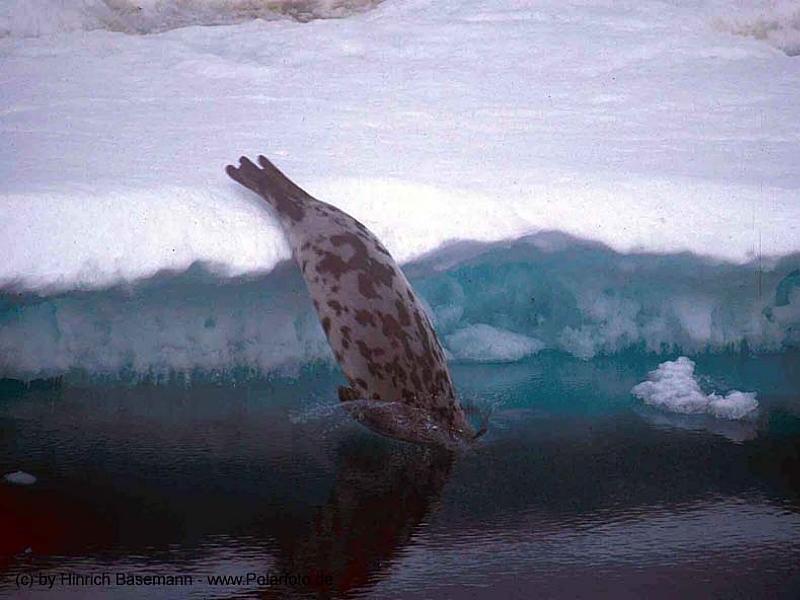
(401, 421)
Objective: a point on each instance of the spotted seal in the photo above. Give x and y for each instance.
(399, 384)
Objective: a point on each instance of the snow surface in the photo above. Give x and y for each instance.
(650, 127)
(673, 387)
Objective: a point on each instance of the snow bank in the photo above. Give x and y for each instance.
(122, 236)
(90, 238)
(673, 387)
(489, 302)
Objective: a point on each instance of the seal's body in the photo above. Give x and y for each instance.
(380, 335)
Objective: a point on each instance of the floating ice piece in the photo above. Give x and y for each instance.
(19, 478)
(672, 387)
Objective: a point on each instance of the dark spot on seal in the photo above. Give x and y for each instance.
(364, 349)
(405, 320)
(334, 304)
(409, 396)
(364, 317)
(376, 396)
(361, 383)
(365, 287)
(391, 327)
(375, 369)
(416, 382)
(373, 271)
(326, 325)
(394, 367)
(332, 263)
(345, 332)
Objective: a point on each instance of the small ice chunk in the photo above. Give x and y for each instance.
(484, 343)
(673, 387)
(733, 406)
(19, 478)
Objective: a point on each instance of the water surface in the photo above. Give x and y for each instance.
(577, 490)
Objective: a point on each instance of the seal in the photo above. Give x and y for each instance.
(399, 383)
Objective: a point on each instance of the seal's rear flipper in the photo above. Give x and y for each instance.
(272, 185)
(267, 181)
(276, 175)
(249, 175)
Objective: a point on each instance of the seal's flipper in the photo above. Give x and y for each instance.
(249, 175)
(483, 414)
(347, 394)
(266, 180)
(272, 185)
(279, 179)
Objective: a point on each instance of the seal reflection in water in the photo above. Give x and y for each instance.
(399, 383)
(381, 497)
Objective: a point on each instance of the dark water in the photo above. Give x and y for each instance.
(578, 490)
